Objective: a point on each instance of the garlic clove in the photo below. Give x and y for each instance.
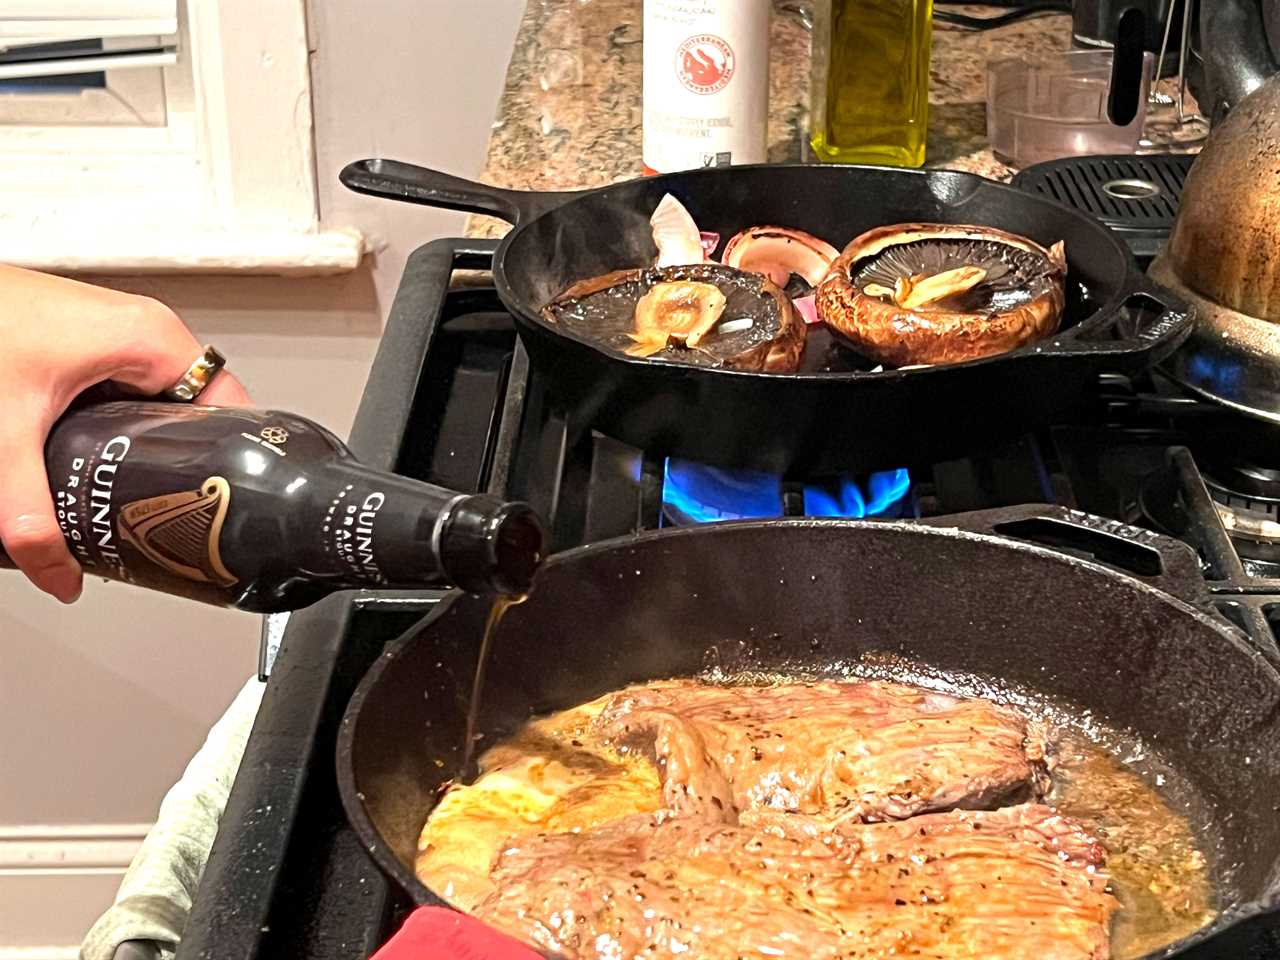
(941, 285)
(675, 234)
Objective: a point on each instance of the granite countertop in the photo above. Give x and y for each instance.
(570, 111)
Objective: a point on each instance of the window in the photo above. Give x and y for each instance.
(66, 82)
(157, 135)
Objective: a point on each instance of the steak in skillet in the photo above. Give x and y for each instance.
(862, 751)
(1019, 882)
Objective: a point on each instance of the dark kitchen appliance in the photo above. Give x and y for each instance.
(835, 413)
(1233, 45)
(453, 399)
(1237, 47)
(1135, 196)
(1094, 23)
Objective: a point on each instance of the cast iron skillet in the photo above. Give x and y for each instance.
(819, 592)
(833, 415)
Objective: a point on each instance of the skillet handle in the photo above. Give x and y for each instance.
(1163, 562)
(393, 180)
(1162, 320)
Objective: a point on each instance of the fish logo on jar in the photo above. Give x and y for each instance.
(704, 63)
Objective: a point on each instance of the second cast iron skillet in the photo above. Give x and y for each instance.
(833, 414)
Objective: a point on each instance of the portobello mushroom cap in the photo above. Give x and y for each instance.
(932, 293)
(781, 254)
(757, 329)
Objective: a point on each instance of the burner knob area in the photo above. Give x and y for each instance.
(1247, 499)
(1247, 485)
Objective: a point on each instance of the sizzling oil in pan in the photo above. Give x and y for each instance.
(607, 318)
(1158, 872)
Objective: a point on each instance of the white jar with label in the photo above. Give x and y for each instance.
(706, 83)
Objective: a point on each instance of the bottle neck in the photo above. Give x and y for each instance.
(383, 530)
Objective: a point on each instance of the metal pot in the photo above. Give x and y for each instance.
(1224, 257)
(1238, 48)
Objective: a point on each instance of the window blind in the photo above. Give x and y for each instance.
(44, 38)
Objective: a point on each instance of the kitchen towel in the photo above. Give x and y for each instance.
(160, 885)
(438, 933)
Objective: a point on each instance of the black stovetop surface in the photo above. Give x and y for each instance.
(451, 400)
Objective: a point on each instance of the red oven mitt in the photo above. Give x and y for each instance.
(438, 933)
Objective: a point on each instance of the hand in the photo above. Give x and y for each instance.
(58, 337)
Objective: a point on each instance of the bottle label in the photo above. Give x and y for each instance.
(348, 530)
(83, 503)
(163, 494)
(705, 63)
(706, 78)
(180, 531)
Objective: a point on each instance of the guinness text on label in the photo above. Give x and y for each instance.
(354, 539)
(100, 520)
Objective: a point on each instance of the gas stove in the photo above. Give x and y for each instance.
(451, 399)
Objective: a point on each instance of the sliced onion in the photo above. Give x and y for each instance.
(734, 326)
(778, 252)
(675, 234)
(807, 307)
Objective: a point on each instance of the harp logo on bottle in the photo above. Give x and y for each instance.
(705, 63)
(179, 532)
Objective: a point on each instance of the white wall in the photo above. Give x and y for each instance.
(101, 704)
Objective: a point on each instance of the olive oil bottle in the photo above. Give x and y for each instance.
(870, 97)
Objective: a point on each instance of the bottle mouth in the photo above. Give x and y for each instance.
(519, 549)
(491, 546)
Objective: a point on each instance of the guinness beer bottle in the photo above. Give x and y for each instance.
(265, 511)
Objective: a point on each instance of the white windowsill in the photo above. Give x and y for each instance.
(183, 251)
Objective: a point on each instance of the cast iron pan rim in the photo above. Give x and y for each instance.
(421, 894)
(1268, 903)
(1100, 317)
(353, 799)
(1236, 637)
(1244, 409)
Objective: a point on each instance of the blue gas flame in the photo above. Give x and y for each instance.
(696, 493)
